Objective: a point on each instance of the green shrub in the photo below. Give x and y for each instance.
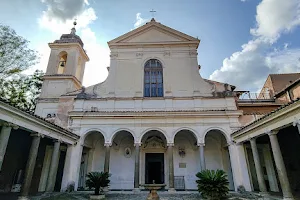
(97, 180)
(213, 184)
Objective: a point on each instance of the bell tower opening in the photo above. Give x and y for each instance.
(62, 62)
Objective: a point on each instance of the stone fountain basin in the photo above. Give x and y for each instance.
(153, 186)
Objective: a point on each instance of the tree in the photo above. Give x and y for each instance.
(15, 55)
(21, 90)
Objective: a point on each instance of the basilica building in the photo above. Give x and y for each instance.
(153, 120)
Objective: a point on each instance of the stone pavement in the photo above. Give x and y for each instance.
(128, 196)
(139, 196)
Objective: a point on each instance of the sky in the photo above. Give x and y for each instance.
(242, 41)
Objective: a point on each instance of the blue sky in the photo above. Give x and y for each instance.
(242, 41)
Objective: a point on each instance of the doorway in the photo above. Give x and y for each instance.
(154, 168)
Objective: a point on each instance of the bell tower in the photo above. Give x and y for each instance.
(65, 66)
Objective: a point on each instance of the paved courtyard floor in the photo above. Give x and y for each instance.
(126, 196)
(123, 195)
(138, 196)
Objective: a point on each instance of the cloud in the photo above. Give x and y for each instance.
(276, 16)
(139, 20)
(258, 58)
(55, 21)
(63, 9)
(86, 17)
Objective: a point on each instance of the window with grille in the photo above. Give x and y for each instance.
(153, 79)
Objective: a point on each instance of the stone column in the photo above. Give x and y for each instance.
(202, 156)
(239, 166)
(107, 157)
(281, 170)
(171, 167)
(30, 166)
(137, 167)
(270, 169)
(4, 136)
(53, 167)
(72, 167)
(46, 168)
(258, 168)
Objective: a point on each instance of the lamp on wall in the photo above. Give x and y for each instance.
(181, 152)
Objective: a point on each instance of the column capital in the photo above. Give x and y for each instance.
(170, 144)
(230, 143)
(296, 122)
(8, 124)
(57, 140)
(200, 144)
(107, 144)
(252, 139)
(37, 135)
(137, 144)
(273, 132)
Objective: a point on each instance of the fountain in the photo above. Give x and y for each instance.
(153, 190)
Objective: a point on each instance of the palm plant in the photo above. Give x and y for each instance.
(97, 180)
(213, 184)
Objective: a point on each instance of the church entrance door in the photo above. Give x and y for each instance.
(154, 168)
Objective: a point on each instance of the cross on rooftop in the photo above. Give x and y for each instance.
(153, 12)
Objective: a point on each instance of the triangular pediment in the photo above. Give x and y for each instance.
(152, 33)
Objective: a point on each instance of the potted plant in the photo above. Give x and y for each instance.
(97, 180)
(213, 184)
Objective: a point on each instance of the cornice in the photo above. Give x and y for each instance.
(154, 44)
(63, 77)
(153, 98)
(156, 114)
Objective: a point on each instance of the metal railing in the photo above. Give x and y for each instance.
(255, 96)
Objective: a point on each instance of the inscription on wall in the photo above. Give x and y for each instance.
(182, 165)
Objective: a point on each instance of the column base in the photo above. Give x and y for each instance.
(136, 190)
(171, 190)
(23, 198)
(288, 198)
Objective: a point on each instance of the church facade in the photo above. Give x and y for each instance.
(153, 120)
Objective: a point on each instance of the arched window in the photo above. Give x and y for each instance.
(153, 79)
(62, 62)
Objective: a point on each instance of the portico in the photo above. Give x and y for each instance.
(273, 138)
(32, 152)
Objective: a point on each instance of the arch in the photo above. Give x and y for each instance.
(115, 133)
(221, 130)
(153, 78)
(62, 62)
(153, 57)
(91, 130)
(194, 133)
(153, 129)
